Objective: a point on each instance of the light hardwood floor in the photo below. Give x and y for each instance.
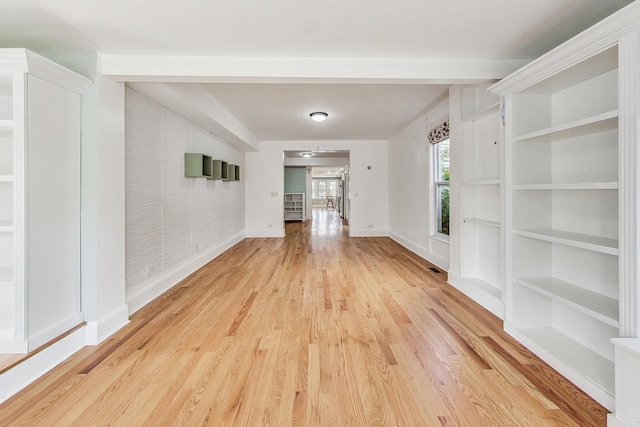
(315, 329)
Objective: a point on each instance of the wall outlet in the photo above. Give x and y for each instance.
(370, 225)
(270, 225)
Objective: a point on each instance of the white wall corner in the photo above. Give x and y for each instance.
(142, 294)
(421, 251)
(98, 331)
(23, 374)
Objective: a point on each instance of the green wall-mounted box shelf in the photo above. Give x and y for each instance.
(197, 165)
(219, 169)
(232, 172)
(236, 175)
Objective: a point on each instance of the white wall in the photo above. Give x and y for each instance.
(410, 203)
(369, 187)
(174, 224)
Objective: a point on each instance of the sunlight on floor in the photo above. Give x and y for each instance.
(326, 223)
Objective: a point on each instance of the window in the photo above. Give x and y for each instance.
(441, 180)
(324, 187)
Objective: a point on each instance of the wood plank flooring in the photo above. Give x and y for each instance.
(315, 329)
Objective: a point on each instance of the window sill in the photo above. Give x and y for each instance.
(440, 237)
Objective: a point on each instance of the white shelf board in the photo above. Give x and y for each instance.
(493, 108)
(569, 186)
(577, 240)
(593, 124)
(482, 221)
(596, 368)
(6, 227)
(596, 305)
(6, 178)
(482, 182)
(487, 287)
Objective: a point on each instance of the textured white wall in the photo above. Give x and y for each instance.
(409, 200)
(171, 220)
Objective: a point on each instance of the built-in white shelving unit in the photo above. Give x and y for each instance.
(571, 211)
(479, 145)
(294, 207)
(40, 130)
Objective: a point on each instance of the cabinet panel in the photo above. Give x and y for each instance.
(53, 210)
(6, 97)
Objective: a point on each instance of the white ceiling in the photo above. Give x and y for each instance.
(412, 29)
(359, 112)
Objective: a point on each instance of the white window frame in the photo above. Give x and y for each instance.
(436, 184)
(330, 190)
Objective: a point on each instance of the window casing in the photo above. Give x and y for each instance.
(441, 185)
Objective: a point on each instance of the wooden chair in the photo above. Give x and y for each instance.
(331, 201)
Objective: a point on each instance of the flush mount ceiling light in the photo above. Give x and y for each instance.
(307, 154)
(318, 116)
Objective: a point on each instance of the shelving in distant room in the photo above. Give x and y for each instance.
(294, 206)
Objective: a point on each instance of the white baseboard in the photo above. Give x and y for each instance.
(107, 326)
(368, 233)
(55, 330)
(421, 251)
(14, 347)
(138, 296)
(476, 293)
(270, 232)
(26, 372)
(612, 421)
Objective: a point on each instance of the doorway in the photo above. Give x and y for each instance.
(326, 182)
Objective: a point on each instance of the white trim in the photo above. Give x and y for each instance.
(629, 240)
(368, 233)
(14, 347)
(24, 61)
(440, 237)
(421, 251)
(107, 326)
(266, 233)
(612, 421)
(26, 372)
(55, 330)
(599, 37)
(627, 383)
(140, 295)
(476, 293)
(208, 69)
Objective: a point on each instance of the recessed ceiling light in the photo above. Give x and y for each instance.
(307, 154)
(318, 116)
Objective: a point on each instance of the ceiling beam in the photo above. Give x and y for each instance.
(205, 69)
(196, 104)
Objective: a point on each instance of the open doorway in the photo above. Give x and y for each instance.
(323, 178)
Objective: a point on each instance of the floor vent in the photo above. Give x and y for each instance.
(435, 270)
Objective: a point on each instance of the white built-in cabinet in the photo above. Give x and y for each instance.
(294, 207)
(40, 133)
(571, 246)
(479, 186)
